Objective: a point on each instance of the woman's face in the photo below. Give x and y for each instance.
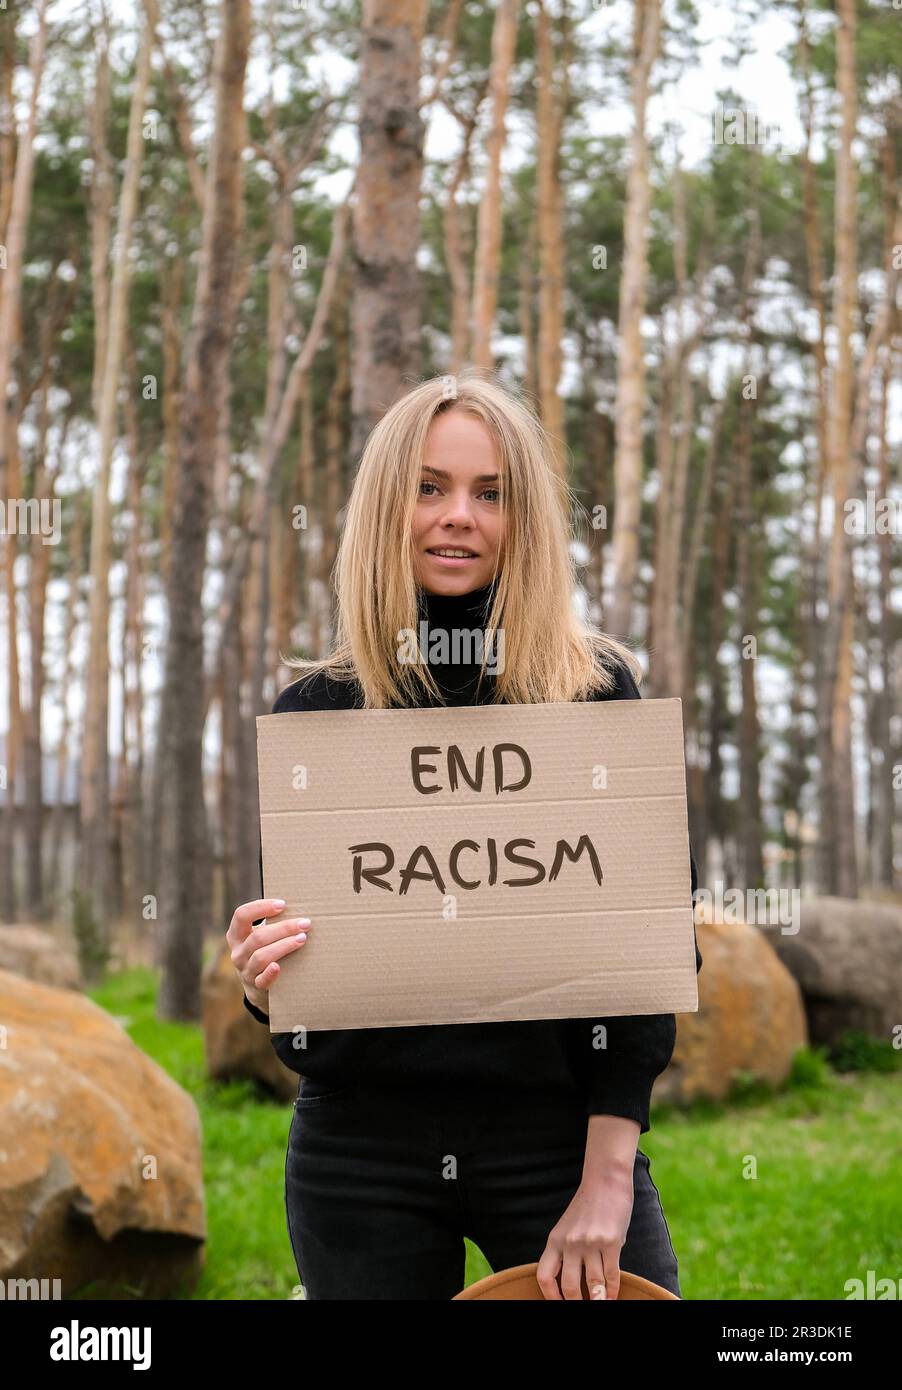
(458, 507)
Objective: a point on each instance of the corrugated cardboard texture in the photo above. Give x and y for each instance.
(613, 771)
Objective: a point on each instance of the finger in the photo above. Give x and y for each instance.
(572, 1275)
(610, 1256)
(259, 960)
(547, 1272)
(266, 935)
(246, 914)
(267, 976)
(595, 1275)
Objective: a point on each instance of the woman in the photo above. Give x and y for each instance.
(521, 1135)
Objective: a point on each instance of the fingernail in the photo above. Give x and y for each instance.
(302, 936)
(300, 921)
(279, 902)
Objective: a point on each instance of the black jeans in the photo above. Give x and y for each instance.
(382, 1186)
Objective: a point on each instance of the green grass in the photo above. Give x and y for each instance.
(788, 1196)
(772, 1195)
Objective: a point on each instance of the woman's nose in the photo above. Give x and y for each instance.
(459, 509)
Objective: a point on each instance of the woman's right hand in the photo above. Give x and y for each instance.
(257, 950)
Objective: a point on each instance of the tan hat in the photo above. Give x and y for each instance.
(520, 1282)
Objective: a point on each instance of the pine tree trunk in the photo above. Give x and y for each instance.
(814, 255)
(310, 550)
(100, 206)
(669, 620)
(386, 303)
(883, 868)
(685, 678)
(94, 877)
(700, 522)
(172, 281)
(39, 573)
(337, 415)
(262, 637)
(883, 738)
(664, 457)
(748, 826)
(839, 859)
(551, 103)
(184, 887)
(596, 446)
(525, 307)
(720, 556)
(749, 803)
(10, 474)
(240, 823)
(59, 813)
(488, 228)
(131, 775)
(7, 123)
(674, 630)
(630, 366)
(455, 222)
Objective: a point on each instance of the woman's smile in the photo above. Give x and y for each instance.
(452, 557)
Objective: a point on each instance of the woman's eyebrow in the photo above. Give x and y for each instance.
(440, 473)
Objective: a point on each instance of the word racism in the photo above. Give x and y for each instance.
(421, 863)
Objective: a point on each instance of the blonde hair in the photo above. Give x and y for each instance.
(549, 653)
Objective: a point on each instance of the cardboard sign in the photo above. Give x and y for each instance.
(479, 863)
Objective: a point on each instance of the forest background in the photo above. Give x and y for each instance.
(231, 234)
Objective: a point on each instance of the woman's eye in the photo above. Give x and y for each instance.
(492, 494)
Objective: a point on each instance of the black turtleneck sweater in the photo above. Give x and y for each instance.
(541, 1057)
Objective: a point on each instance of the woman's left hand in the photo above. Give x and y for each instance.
(589, 1237)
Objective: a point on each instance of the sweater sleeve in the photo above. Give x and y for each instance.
(621, 1057)
(283, 1044)
(254, 1012)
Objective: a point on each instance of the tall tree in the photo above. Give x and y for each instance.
(488, 230)
(10, 330)
(457, 236)
(838, 862)
(551, 107)
(667, 618)
(184, 898)
(94, 879)
(630, 364)
(386, 221)
(42, 486)
(882, 860)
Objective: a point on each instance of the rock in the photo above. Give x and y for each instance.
(750, 1017)
(236, 1044)
(847, 960)
(36, 954)
(100, 1151)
